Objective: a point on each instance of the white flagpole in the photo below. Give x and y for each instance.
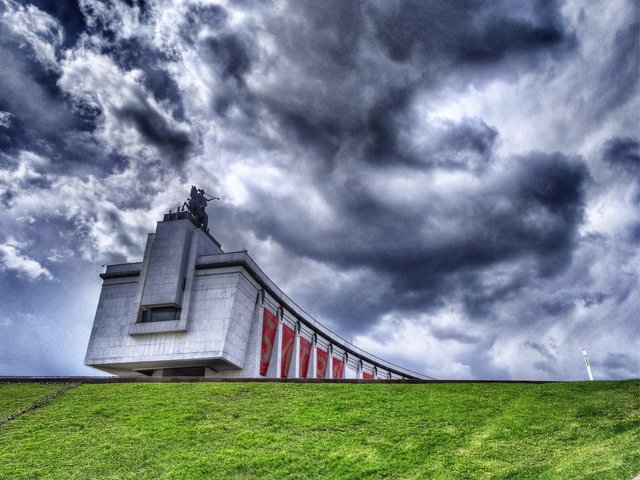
(586, 361)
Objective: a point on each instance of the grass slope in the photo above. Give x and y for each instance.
(257, 430)
(15, 397)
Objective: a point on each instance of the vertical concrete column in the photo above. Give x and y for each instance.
(345, 359)
(258, 323)
(330, 361)
(314, 358)
(190, 275)
(278, 345)
(135, 305)
(167, 263)
(296, 352)
(359, 370)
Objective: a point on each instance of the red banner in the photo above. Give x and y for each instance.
(288, 339)
(367, 376)
(321, 364)
(338, 368)
(305, 355)
(269, 327)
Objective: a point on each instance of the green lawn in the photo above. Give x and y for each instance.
(327, 431)
(15, 397)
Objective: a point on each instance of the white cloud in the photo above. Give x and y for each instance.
(411, 342)
(94, 79)
(120, 18)
(28, 166)
(13, 258)
(5, 119)
(38, 29)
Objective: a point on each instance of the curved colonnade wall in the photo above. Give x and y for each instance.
(191, 309)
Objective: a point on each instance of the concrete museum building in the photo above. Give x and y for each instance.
(191, 309)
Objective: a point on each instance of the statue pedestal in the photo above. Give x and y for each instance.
(186, 215)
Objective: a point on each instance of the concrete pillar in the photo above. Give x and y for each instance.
(314, 358)
(258, 324)
(190, 275)
(278, 347)
(330, 361)
(135, 305)
(296, 353)
(359, 370)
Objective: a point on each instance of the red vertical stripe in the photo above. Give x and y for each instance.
(288, 338)
(338, 368)
(305, 355)
(269, 326)
(321, 365)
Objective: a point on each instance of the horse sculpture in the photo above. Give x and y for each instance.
(197, 205)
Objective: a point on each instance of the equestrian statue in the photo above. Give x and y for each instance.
(197, 204)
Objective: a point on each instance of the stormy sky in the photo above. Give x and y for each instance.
(454, 186)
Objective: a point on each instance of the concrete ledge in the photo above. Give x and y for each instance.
(157, 327)
(124, 274)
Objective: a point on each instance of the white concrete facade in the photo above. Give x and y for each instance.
(190, 309)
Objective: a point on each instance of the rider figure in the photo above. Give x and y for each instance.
(197, 206)
(202, 205)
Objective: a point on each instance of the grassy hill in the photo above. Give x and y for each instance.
(323, 431)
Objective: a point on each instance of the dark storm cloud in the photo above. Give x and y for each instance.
(335, 29)
(230, 55)
(133, 53)
(384, 121)
(623, 153)
(594, 299)
(214, 16)
(545, 366)
(532, 212)
(548, 357)
(453, 334)
(333, 45)
(478, 298)
(126, 236)
(557, 307)
(619, 80)
(467, 32)
(617, 365)
(28, 90)
(172, 143)
(465, 145)
(42, 118)
(548, 189)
